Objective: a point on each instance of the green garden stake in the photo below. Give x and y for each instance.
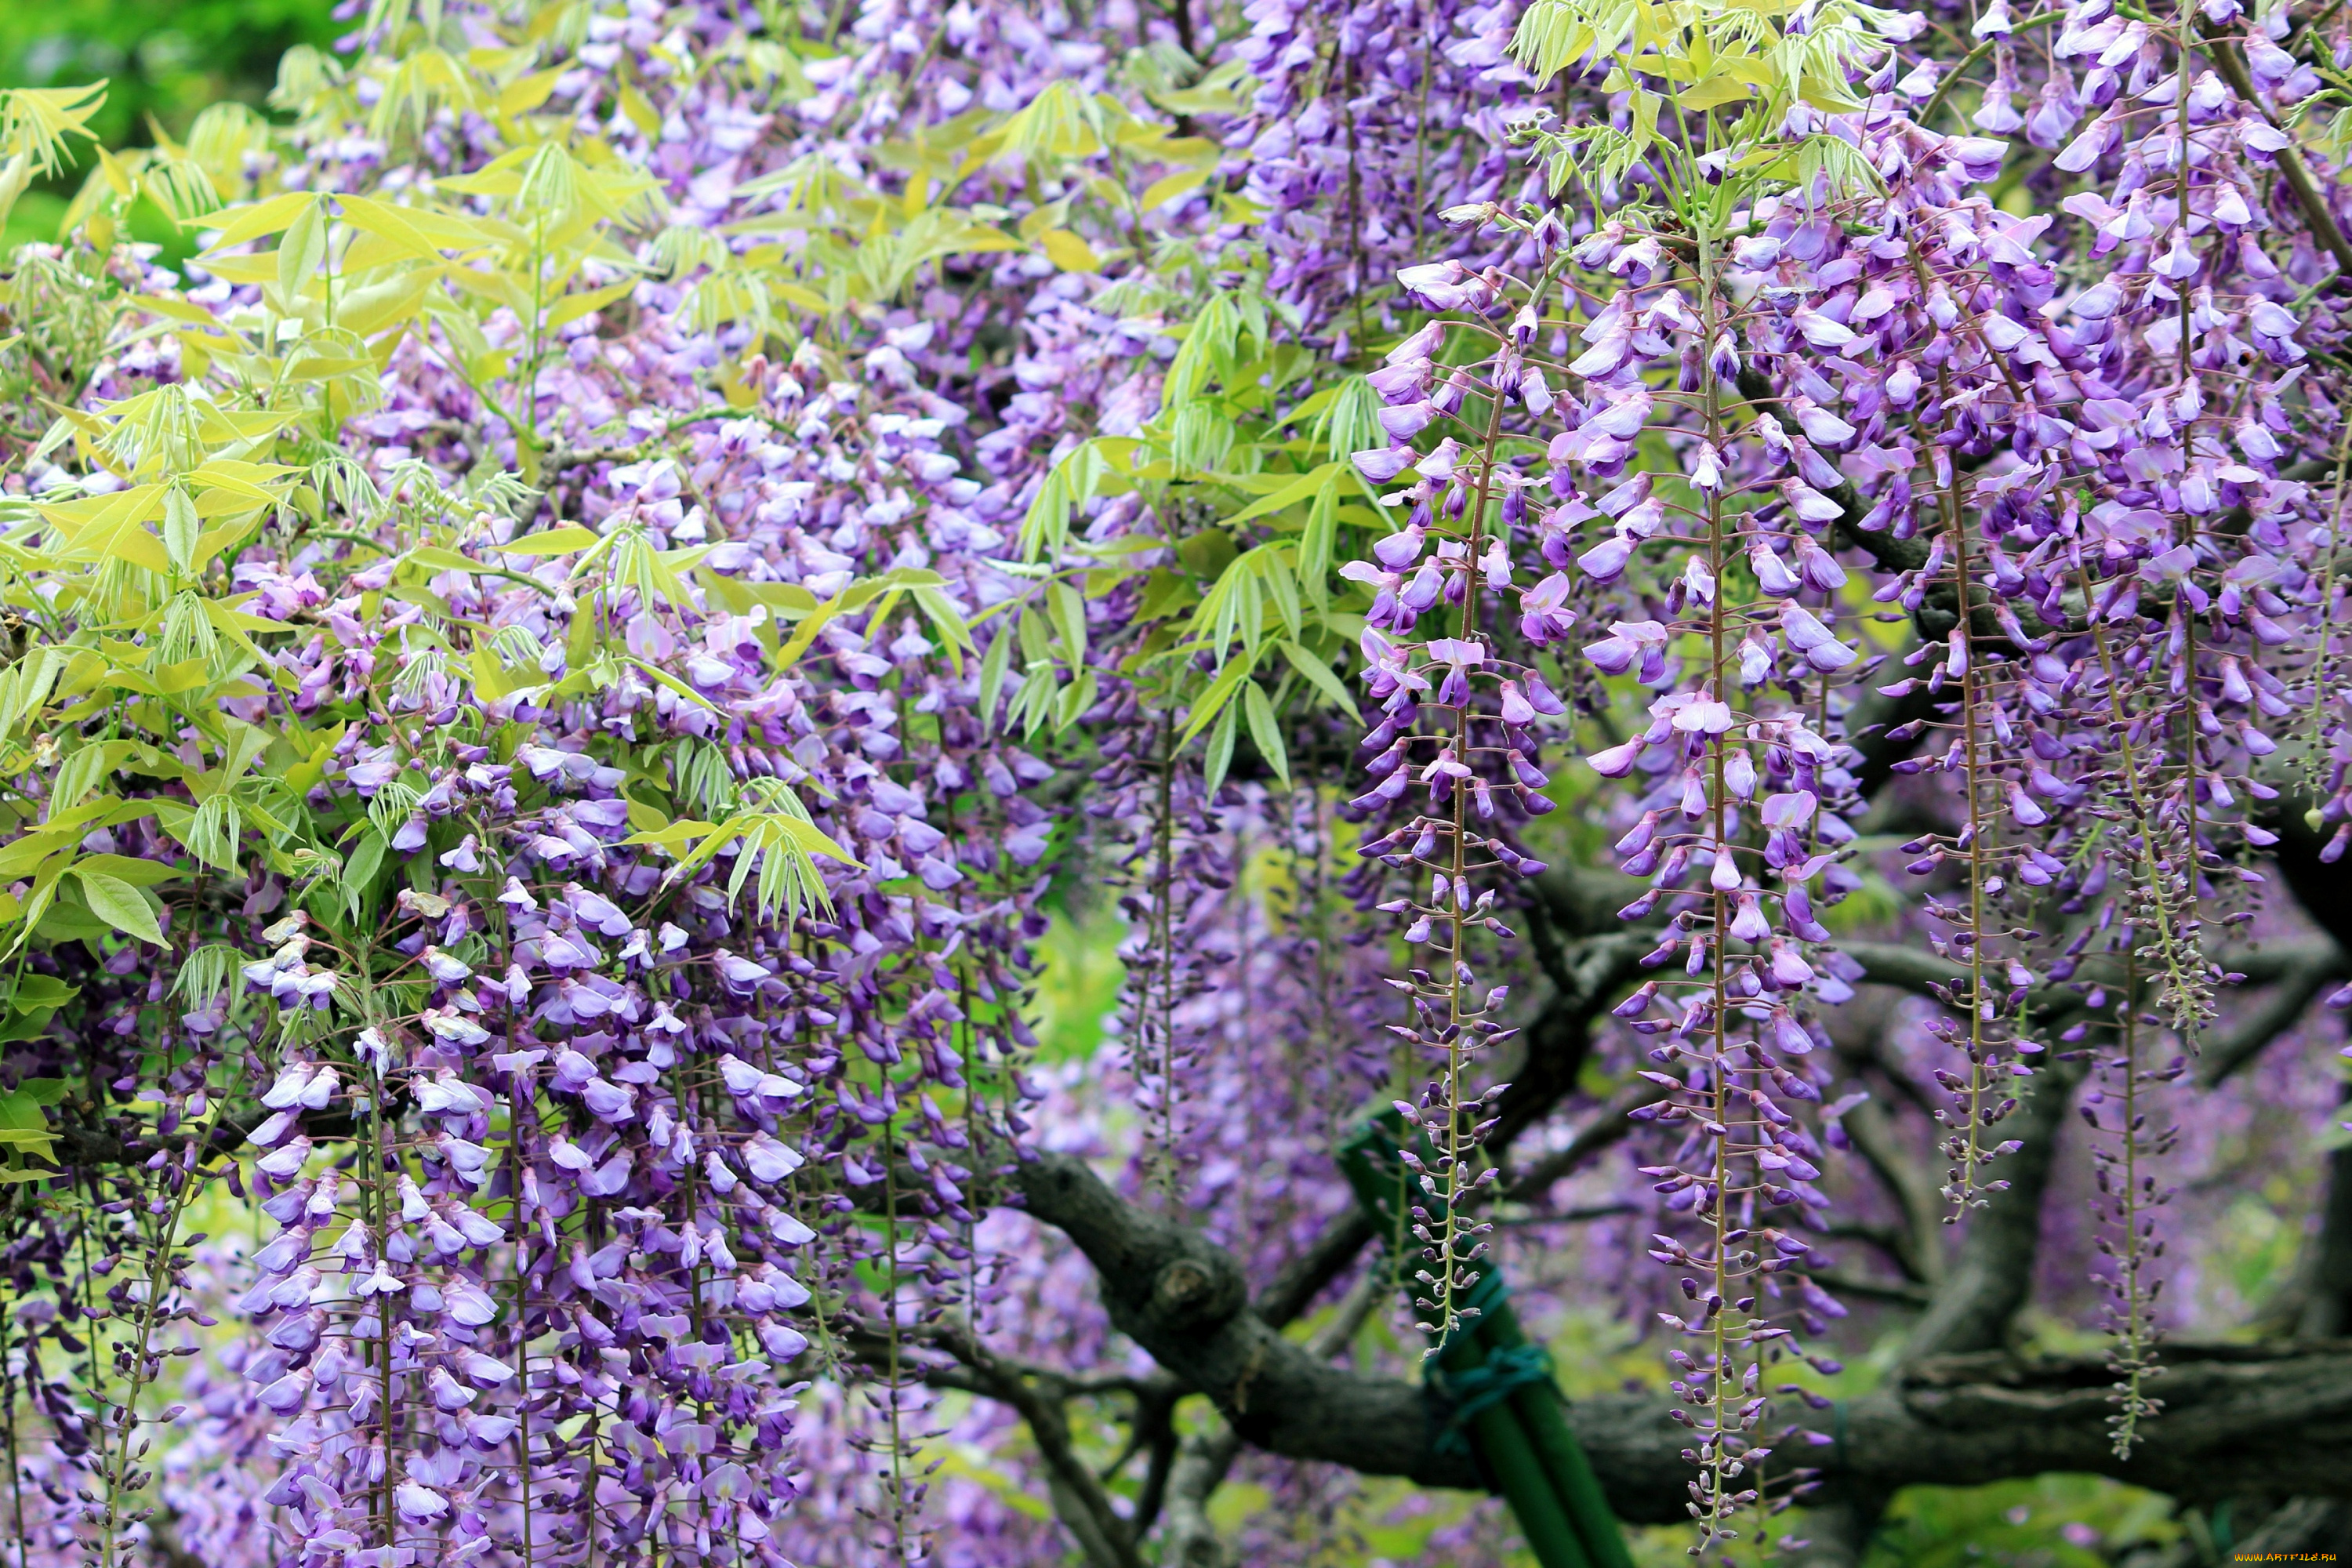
(1507, 1408)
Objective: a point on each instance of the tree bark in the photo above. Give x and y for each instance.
(2327, 1299)
(1993, 1278)
(2237, 1419)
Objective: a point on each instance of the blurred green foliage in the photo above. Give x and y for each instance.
(2049, 1521)
(1079, 983)
(163, 60)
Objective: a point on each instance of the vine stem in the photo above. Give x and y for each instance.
(2188, 519)
(890, 1322)
(1714, 1457)
(2131, 1356)
(1944, 88)
(522, 1333)
(1972, 1148)
(2168, 938)
(1457, 1141)
(16, 1476)
(2131, 1352)
(1163, 915)
(159, 1281)
(383, 1227)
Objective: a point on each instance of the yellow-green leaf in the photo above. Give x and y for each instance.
(1068, 251)
(1259, 709)
(572, 307)
(251, 223)
(559, 540)
(1713, 92)
(118, 903)
(1167, 187)
(302, 253)
(1319, 674)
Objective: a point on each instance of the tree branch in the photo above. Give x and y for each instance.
(1080, 1499)
(1917, 1242)
(1208, 1457)
(1183, 1299)
(1586, 975)
(2284, 1008)
(1993, 1276)
(1608, 1128)
(1293, 1288)
(2237, 1418)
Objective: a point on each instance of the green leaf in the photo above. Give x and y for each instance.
(118, 532)
(1290, 494)
(180, 527)
(36, 999)
(940, 611)
(560, 541)
(66, 919)
(674, 683)
(993, 670)
(1213, 701)
(359, 870)
(1713, 92)
(1220, 748)
(1167, 187)
(673, 835)
(1319, 674)
(251, 222)
(1075, 699)
(778, 832)
(1074, 482)
(118, 903)
(1352, 422)
(434, 558)
(137, 871)
(1318, 543)
(36, 989)
(36, 1139)
(572, 307)
(22, 1126)
(302, 253)
(1069, 608)
(1264, 731)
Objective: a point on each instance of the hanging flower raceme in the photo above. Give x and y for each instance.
(1455, 756)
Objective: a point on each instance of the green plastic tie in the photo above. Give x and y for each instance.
(1491, 1383)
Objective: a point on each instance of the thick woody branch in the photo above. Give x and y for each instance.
(1080, 1499)
(1917, 1243)
(1586, 975)
(1979, 1298)
(1981, 1295)
(1601, 1132)
(1040, 1397)
(1201, 1465)
(1302, 1278)
(2274, 1015)
(2236, 1420)
(1191, 1541)
(1184, 1302)
(1917, 969)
